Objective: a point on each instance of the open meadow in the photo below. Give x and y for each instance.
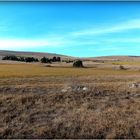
(58, 101)
(69, 69)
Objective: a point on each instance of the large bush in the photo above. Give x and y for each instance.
(78, 64)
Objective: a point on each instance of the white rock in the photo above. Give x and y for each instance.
(85, 88)
(134, 85)
(64, 90)
(68, 88)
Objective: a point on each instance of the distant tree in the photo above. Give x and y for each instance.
(11, 57)
(4, 58)
(36, 60)
(31, 59)
(78, 64)
(58, 59)
(54, 59)
(48, 60)
(22, 59)
(28, 59)
(43, 60)
(51, 60)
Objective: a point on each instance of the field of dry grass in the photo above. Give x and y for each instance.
(62, 102)
(34, 70)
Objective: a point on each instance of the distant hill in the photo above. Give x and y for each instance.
(114, 58)
(31, 54)
(50, 55)
(123, 58)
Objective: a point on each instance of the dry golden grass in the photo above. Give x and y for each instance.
(32, 70)
(46, 102)
(126, 63)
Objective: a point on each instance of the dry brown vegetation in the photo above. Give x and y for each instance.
(50, 102)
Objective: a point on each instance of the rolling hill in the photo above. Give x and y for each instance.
(31, 54)
(50, 55)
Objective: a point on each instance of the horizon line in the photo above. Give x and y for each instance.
(69, 55)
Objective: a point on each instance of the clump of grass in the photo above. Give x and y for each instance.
(122, 67)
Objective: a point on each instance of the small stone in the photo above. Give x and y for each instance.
(85, 88)
(64, 90)
(134, 85)
(68, 88)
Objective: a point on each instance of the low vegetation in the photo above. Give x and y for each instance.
(122, 67)
(20, 58)
(78, 64)
(32, 70)
(39, 101)
(31, 59)
(47, 60)
(70, 107)
(67, 61)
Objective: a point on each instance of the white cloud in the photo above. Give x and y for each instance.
(74, 39)
(123, 40)
(127, 25)
(24, 43)
(50, 42)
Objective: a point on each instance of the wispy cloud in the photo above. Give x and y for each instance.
(28, 43)
(123, 40)
(76, 39)
(124, 26)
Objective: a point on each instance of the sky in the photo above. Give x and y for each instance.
(82, 29)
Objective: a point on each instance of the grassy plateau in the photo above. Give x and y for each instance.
(40, 101)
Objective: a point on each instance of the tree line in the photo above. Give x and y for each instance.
(47, 60)
(76, 63)
(32, 59)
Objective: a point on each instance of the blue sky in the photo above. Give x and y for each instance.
(83, 29)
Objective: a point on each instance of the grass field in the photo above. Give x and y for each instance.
(127, 63)
(32, 70)
(63, 102)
